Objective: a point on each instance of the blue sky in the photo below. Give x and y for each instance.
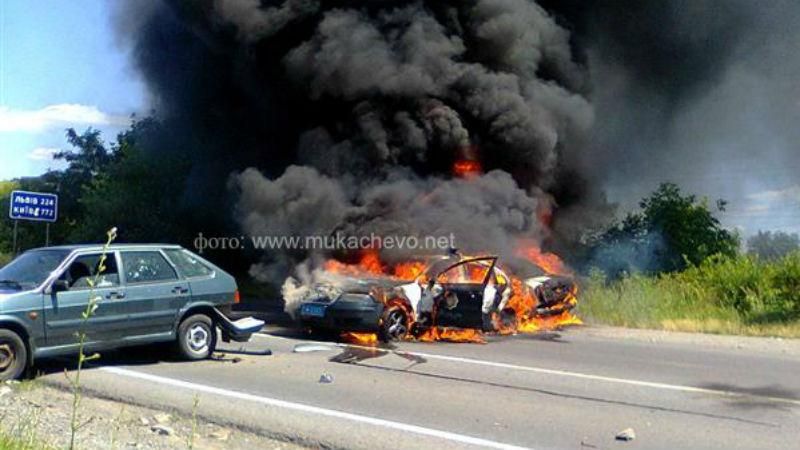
(60, 67)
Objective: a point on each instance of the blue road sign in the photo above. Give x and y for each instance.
(33, 206)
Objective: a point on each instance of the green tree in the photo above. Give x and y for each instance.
(773, 245)
(139, 191)
(670, 232)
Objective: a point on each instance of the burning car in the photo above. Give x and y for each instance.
(430, 300)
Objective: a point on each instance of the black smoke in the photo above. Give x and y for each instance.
(348, 115)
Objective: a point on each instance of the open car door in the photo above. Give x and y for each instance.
(462, 285)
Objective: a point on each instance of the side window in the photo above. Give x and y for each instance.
(477, 271)
(188, 264)
(453, 275)
(85, 268)
(146, 267)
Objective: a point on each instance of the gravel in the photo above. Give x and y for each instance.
(32, 409)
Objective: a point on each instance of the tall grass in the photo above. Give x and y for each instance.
(739, 295)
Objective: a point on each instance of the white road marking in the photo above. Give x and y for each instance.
(454, 437)
(565, 373)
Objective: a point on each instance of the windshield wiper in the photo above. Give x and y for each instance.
(12, 283)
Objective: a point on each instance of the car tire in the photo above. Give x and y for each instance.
(13, 356)
(197, 337)
(395, 324)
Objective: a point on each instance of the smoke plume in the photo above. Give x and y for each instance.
(348, 116)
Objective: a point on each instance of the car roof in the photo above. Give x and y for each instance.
(99, 247)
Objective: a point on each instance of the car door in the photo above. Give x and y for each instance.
(461, 301)
(155, 291)
(63, 310)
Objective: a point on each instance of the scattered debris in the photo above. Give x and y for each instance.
(144, 421)
(236, 360)
(326, 378)
(162, 430)
(626, 435)
(308, 348)
(221, 435)
(585, 443)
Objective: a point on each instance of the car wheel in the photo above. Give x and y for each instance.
(197, 337)
(13, 356)
(394, 324)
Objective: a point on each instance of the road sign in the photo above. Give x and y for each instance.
(34, 206)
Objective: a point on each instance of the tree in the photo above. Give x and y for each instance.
(670, 232)
(773, 245)
(140, 191)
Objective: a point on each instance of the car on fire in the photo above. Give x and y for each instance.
(449, 292)
(148, 294)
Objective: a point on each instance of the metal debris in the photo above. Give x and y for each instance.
(626, 435)
(308, 348)
(326, 378)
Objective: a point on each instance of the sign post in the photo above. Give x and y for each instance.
(33, 206)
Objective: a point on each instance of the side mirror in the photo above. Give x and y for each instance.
(60, 286)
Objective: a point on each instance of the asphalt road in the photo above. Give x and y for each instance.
(574, 389)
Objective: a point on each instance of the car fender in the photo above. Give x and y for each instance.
(18, 326)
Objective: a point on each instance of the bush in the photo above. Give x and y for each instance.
(5, 258)
(741, 294)
(756, 289)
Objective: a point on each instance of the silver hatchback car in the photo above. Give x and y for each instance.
(149, 293)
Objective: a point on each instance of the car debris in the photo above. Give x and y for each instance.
(626, 435)
(326, 378)
(309, 348)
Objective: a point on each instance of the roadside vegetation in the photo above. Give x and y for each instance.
(671, 266)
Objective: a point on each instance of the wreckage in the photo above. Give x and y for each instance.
(449, 298)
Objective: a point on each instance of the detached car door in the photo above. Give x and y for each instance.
(155, 291)
(63, 310)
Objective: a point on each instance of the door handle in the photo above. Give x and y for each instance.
(115, 295)
(180, 290)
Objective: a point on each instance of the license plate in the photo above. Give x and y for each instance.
(313, 310)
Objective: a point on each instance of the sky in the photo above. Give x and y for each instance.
(60, 67)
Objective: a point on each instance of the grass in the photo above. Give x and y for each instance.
(742, 295)
(11, 442)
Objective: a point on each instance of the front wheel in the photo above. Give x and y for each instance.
(197, 337)
(13, 356)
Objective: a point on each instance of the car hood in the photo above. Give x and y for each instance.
(5, 293)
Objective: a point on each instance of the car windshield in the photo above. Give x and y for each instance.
(30, 269)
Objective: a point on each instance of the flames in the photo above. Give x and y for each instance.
(466, 168)
(365, 339)
(549, 262)
(522, 301)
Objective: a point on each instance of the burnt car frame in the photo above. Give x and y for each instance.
(452, 292)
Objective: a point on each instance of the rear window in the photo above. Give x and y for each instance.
(147, 267)
(188, 264)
